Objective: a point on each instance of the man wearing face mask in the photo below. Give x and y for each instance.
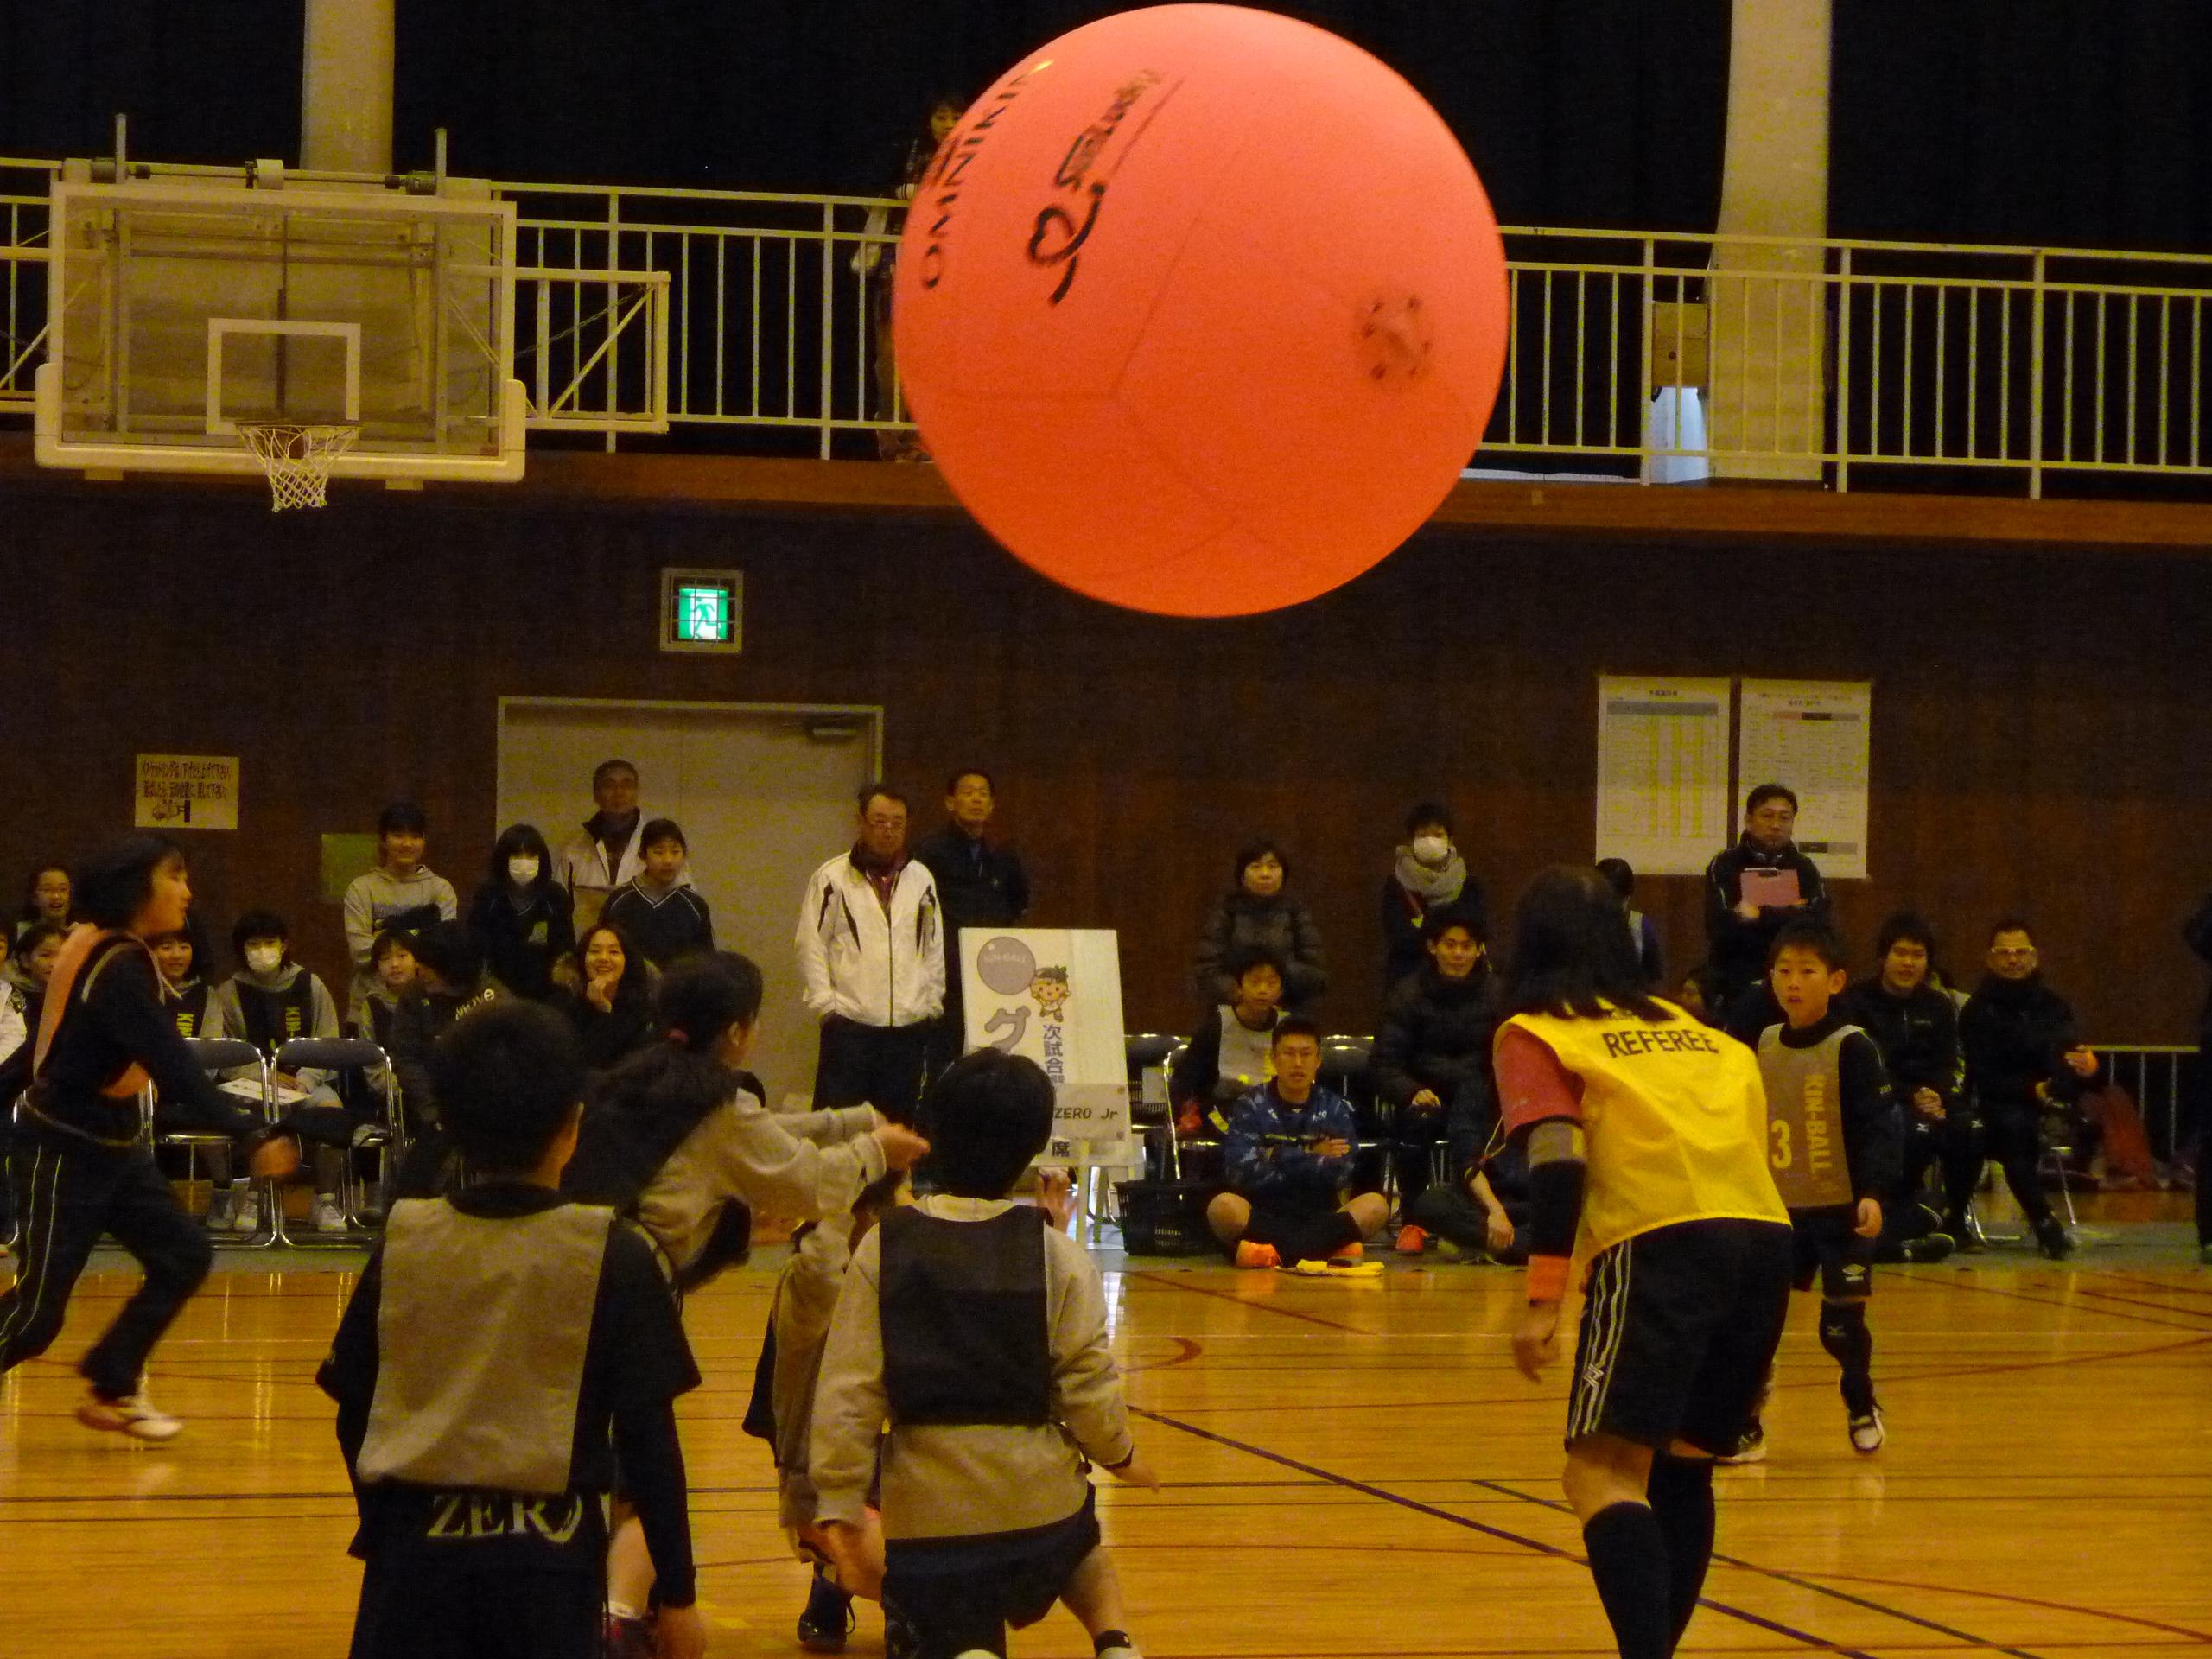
(1428, 875)
(270, 1000)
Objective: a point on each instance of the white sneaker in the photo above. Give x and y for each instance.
(327, 1216)
(245, 1212)
(1867, 1433)
(134, 1414)
(1750, 1449)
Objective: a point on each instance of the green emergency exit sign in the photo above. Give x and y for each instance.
(702, 610)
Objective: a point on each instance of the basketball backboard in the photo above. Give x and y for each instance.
(182, 307)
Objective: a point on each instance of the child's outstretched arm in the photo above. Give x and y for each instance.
(753, 1154)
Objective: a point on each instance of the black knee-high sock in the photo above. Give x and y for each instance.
(1682, 1502)
(1844, 1334)
(1628, 1559)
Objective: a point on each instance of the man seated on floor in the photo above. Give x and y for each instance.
(1287, 1158)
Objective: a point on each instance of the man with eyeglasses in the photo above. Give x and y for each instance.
(2023, 1056)
(1752, 891)
(871, 950)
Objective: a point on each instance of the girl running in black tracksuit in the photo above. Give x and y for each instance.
(79, 1165)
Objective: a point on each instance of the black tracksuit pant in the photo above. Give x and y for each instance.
(68, 1192)
(880, 1065)
(2013, 1135)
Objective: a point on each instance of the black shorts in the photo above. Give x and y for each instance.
(962, 1593)
(1678, 1330)
(1826, 1249)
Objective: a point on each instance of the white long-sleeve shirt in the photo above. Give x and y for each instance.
(955, 1480)
(863, 962)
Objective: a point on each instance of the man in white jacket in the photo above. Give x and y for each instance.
(871, 950)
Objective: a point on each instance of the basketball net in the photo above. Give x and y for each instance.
(297, 458)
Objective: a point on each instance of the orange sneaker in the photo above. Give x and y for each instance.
(1249, 1254)
(1351, 1252)
(1412, 1240)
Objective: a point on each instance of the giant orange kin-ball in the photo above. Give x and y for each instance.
(1201, 310)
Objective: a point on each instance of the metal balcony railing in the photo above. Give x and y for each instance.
(1831, 360)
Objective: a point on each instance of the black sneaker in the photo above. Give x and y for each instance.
(1930, 1247)
(2051, 1234)
(1966, 1233)
(828, 1620)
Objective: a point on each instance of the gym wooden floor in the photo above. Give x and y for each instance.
(1350, 1468)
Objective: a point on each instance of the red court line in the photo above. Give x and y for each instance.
(1242, 1301)
(2048, 1302)
(2203, 1637)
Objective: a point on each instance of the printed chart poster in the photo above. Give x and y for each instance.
(1055, 994)
(187, 791)
(1813, 735)
(1662, 773)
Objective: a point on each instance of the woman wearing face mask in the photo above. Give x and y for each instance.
(1257, 914)
(522, 915)
(1428, 875)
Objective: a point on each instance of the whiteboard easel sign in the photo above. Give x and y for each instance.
(1054, 994)
(186, 791)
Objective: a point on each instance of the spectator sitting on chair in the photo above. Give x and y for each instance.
(1482, 1208)
(1429, 875)
(23, 979)
(1289, 1161)
(392, 959)
(269, 1002)
(1917, 1028)
(979, 884)
(2023, 1055)
(400, 893)
(15, 1036)
(522, 913)
(871, 951)
(46, 898)
(1620, 875)
(1257, 911)
(612, 1011)
(660, 912)
(1232, 1051)
(185, 964)
(1742, 930)
(1434, 1043)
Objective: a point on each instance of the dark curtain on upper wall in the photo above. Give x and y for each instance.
(2052, 123)
(202, 80)
(1599, 112)
(1602, 112)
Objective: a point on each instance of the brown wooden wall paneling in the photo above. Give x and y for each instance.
(2040, 716)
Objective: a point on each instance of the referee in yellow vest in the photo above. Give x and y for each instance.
(1646, 1135)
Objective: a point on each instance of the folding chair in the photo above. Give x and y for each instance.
(359, 1056)
(1148, 1053)
(1347, 1069)
(213, 1055)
